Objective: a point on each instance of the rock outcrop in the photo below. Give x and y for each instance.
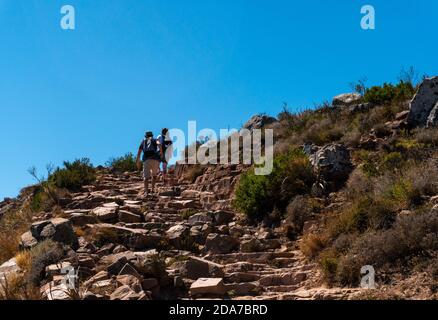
(332, 165)
(422, 106)
(347, 100)
(258, 122)
(58, 229)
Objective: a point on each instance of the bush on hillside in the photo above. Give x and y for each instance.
(124, 163)
(251, 196)
(412, 236)
(388, 93)
(298, 212)
(74, 175)
(257, 196)
(13, 223)
(373, 212)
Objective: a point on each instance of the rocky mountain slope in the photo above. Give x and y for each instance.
(369, 198)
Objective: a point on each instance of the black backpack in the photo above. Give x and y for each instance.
(150, 148)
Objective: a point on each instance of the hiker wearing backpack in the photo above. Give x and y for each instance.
(150, 147)
(166, 150)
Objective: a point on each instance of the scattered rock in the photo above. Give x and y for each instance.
(117, 266)
(251, 245)
(218, 243)
(222, 217)
(58, 229)
(128, 217)
(179, 236)
(184, 204)
(8, 269)
(129, 270)
(81, 219)
(200, 218)
(245, 288)
(102, 275)
(56, 292)
(196, 268)
(27, 241)
(127, 293)
(208, 286)
(106, 213)
(136, 239)
(56, 269)
(361, 107)
(120, 249)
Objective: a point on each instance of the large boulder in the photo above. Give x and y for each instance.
(179, 236)
(332, 164)
(137, 239)
(220, 243)
(423, 103)
(58, 229)
(222, 217)
(107, 212)
(258, 121)
(195, 268)
(81, 219)
(346, 99)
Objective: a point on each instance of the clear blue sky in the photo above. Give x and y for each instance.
(133, 65)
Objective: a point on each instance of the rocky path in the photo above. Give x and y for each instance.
(170, 245)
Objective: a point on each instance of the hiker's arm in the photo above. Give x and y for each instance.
(161, 148)
(138, 158)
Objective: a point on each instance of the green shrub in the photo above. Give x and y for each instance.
(251, 196)
(388, 93)
(392, 161)
(125, 163)
(257, 196)
(74, 175)
(41, 200)
(364, 214)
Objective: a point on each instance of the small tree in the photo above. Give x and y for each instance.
(48, 187)
(359, 86)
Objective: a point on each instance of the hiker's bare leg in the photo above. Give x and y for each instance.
(153, 184)
(164, 172)
(146, 186)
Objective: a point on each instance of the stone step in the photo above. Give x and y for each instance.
(281, 288)
(256, 257)
(241, 277)
(285, 262)
(291, 278)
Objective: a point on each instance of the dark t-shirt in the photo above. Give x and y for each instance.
(150, 155)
